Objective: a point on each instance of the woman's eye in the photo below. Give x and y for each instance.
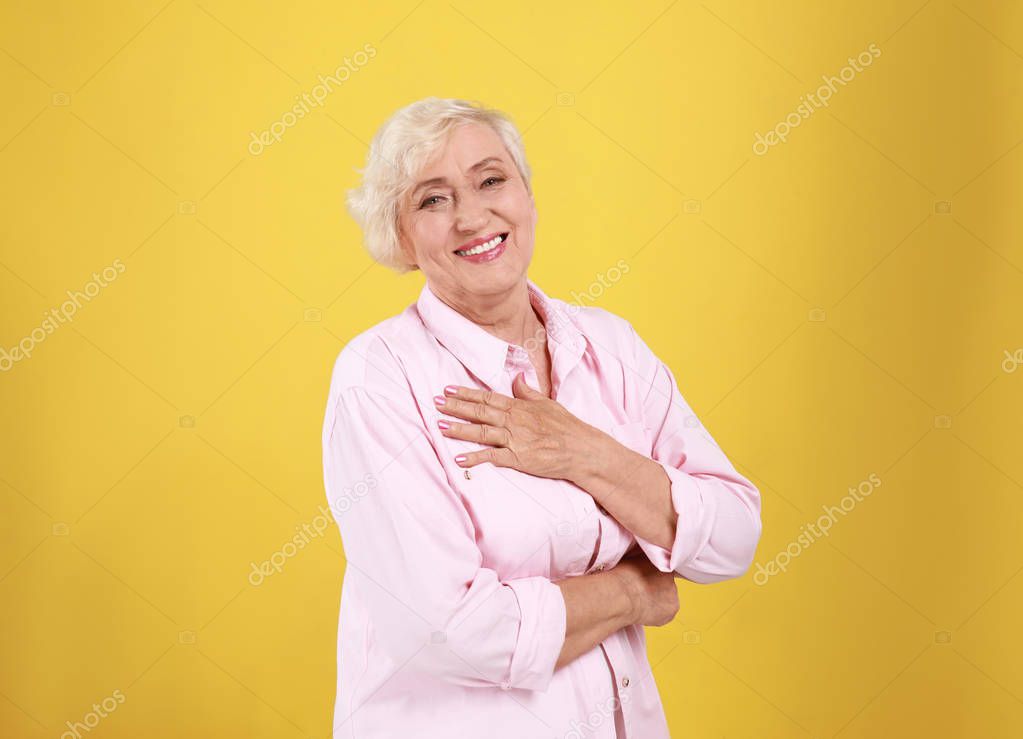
(434, 199)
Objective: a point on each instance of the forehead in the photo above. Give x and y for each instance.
(465, 146)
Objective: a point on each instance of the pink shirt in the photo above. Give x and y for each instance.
(450, 621)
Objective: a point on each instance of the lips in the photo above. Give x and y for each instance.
(481, 240)
(488, 251)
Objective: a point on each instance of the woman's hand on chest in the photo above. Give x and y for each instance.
(528, 432)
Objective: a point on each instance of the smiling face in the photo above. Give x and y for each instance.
(465, 199)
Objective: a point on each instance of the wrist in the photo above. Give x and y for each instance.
(591, 457)
(628, 595)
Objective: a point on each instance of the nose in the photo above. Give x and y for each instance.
(470, 212)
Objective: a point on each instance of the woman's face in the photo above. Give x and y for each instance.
(469, 192)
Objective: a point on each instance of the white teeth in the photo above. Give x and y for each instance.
(481, 248)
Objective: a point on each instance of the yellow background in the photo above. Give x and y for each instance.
(825, 314)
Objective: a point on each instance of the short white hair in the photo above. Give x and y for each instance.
(401, 147)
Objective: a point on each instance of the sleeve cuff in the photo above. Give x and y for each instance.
(542, 631)
(694, 510)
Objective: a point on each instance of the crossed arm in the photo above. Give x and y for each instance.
(691, 513)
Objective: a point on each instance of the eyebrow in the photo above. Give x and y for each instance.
(439, 180)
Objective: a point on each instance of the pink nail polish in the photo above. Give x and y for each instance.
(439, 399)
(450, 389)
(443, 424)
(460, 458)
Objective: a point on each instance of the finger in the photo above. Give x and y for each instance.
(522, 390)
(487, 397)
(497, 456)
(471, 411)
(481, 433)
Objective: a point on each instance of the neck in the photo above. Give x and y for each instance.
(509, 316)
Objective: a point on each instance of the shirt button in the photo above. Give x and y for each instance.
(467, 475)
(505, 686)
(625, 681)
(599, 568)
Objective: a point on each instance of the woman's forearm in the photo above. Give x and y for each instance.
(632, 487)
(596, 606)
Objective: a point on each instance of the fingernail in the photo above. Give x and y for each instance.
(439, 399)
(450, 389)
(460, 458)
(443, 424)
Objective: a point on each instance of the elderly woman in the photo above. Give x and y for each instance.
(517, 481)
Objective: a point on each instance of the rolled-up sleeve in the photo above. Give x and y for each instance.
(411, 552)
(718, 509)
